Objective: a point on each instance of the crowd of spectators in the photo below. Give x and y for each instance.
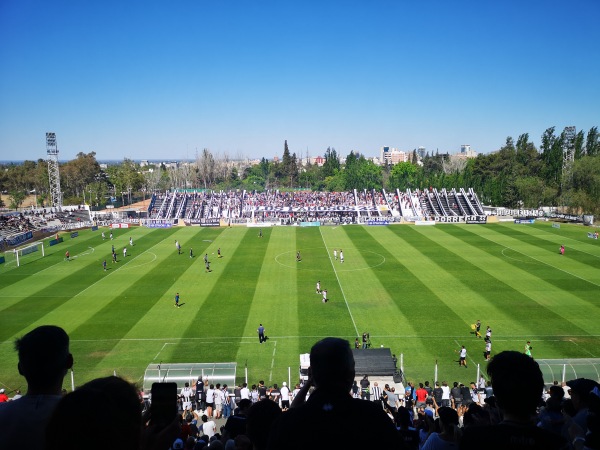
(328, 411)
(271, 205)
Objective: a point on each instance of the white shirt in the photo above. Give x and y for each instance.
(245, 393)
(463, 352)
(445, 393)
(210, 395)
(285, 393)
(209, 429)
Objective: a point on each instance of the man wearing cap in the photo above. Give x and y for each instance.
(44, 360)
(580, 391)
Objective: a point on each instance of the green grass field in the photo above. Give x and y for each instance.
(416, 290)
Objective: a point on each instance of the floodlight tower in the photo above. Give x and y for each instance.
(53, 173)
(568, 154)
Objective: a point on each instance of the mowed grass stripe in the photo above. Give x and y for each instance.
(365, 276)
(41, 299)
(564, 273)
(164, 324)
(16, 281)
(224, 311)
(422, 304)
(318, 318)
(387, 299)
(574, 261)
(531, 315)
(532, 279)
(572, 236)
(275, 304)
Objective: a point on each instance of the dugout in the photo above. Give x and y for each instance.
(181, 373)
(569, 369)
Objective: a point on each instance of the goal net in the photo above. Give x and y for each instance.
(29, 253)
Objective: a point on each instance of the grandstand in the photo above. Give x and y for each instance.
(291, 207)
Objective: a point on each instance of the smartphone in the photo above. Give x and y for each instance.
(163, 408)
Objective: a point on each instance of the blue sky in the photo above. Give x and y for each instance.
(162, 79)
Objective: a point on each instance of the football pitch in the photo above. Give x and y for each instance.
(416, 290)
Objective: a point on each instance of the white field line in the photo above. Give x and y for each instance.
(339, 284)
(242, 339)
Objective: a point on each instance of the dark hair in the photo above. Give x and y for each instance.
(332, 363)
(111, 404)
(44, 354)
(517, 382)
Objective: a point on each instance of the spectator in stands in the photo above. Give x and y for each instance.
(581, 394)
(261, 418)
(44, 360)
(328, 418)
(449, 433)
(111, 407)
(518, 384)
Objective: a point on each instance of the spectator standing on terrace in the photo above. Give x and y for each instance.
(44, 360)
(518, 383)
(365, 393)
(285, 396)
(449, 434)
(327, 420)
(187, 395)
(245, 392)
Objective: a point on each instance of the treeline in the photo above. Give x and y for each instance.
(517, 175)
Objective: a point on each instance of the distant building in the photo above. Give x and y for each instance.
(421, 151)
(390, 156)
(319, 161)
(466, 152)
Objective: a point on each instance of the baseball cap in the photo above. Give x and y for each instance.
(582, 386)
(177, 445)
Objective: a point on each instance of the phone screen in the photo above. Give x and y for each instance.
(163, 408)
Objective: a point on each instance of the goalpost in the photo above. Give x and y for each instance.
(21, 252)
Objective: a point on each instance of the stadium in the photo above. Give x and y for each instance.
(415, 288)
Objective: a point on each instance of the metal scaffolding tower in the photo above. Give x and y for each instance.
(569, 135)
(53, 173)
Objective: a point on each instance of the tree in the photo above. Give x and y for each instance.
(331, 164)
(592, 143)
(206, 168)
(16, 197)
(403, 176)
